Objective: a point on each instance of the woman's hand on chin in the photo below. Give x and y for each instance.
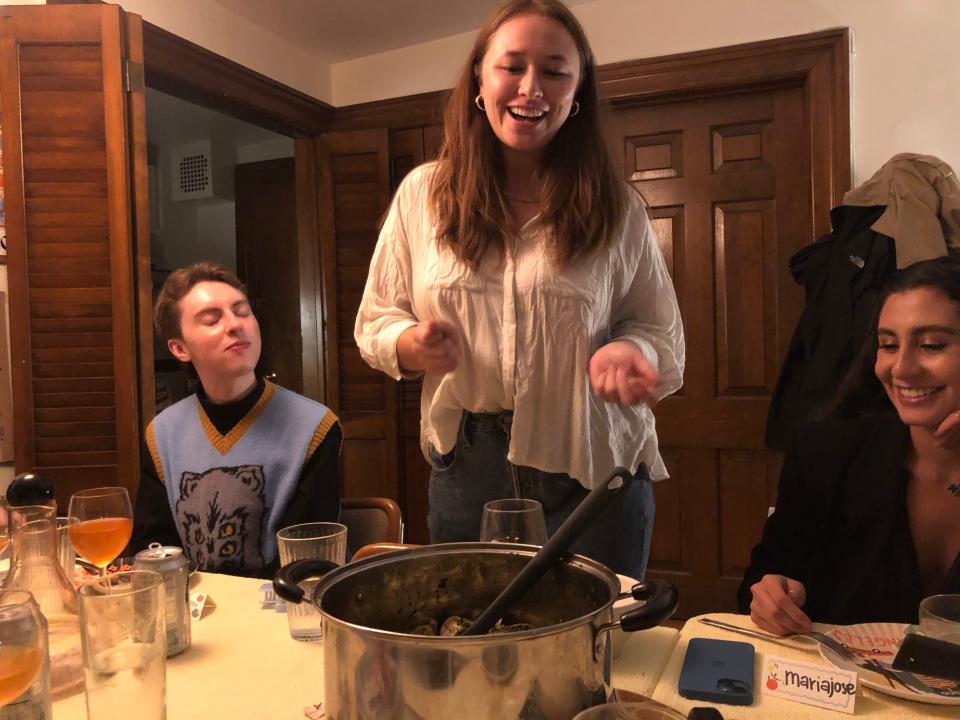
(620, 373)
(947, 434)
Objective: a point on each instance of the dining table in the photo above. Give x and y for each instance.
(242, 663)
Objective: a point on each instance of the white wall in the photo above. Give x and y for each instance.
(905, 86)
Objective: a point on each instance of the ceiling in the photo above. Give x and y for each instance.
(339, 30)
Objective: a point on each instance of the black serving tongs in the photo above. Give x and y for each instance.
(589, 509)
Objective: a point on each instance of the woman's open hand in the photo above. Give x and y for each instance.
(776, 605)
(433, 346)
(620, 373)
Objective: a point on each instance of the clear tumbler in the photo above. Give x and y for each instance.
(123, 626)
(310, 541)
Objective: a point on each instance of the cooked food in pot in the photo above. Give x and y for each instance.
(423, 624)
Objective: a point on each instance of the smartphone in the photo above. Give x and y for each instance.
(719, 671)
(928, 656)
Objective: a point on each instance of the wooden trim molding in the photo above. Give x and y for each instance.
(403, 112)
(310, 266)
(765, 61)
(191, 72)
(182, 68)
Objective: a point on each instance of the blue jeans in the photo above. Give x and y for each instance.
(477, 471)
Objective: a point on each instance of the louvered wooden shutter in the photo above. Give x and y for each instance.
(355, 189)
(71, 272)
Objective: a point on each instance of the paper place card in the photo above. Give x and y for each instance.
(828, 688)
(199, 602)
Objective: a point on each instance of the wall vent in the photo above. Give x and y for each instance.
(192, 174)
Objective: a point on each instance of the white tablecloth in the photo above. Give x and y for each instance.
(243, 664)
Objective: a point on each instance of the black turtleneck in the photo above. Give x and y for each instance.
(316, 499)
(225, 416)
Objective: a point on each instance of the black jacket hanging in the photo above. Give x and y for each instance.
(842, 274)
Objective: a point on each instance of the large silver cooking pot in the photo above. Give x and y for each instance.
(375, 669)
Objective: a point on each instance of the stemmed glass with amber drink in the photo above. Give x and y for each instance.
(100, 524)
(23, 640)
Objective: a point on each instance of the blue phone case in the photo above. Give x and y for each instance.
(719, 671)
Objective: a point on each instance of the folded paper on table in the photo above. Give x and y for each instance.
(827, 688)
(200, 604)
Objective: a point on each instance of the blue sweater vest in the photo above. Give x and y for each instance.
(228, 492)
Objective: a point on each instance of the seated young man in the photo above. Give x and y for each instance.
(241, 458)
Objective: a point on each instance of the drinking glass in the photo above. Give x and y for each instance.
(643, 710)
(23, 644)
(101, 522)
(65, 552)
(513, 520)
(310, 541)
(940, 617)
(123, 629)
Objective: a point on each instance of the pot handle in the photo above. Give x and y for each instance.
(285, 582)
(660, 600)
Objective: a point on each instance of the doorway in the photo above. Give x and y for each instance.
(222, 189)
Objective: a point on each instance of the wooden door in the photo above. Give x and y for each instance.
(727, 181)
(71, 97)
(267, 252)
(355, 191)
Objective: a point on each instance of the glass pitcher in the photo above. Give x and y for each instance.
(36, 567)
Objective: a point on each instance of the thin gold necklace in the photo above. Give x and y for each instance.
(521, 200)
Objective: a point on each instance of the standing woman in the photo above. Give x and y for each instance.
(520, 277)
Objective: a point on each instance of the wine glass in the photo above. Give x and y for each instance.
(100, 524)
(22, 643)
(513, 520)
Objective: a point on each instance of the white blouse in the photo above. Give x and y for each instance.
(528, 331)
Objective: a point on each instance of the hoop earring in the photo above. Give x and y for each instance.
(478, 101)
(574, 109)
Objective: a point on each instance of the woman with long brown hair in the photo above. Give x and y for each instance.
(520, 276)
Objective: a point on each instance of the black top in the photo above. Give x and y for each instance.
(316, 498)
(841, 525)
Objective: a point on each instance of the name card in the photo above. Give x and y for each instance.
(824, 687)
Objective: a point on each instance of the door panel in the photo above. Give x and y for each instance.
(68, 171)
(381, 451)
(728, 187)
(355, 186)
(266, 213)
